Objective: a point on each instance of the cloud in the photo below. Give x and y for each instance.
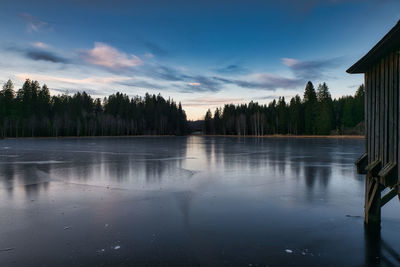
(74, 91)
(271, 97)
(313, 69)
(38, 53)
(109, 57)
(156, 49)
(210, 101)
(35, 24)
(149, 55)
(201, 84)
(302, 71)
(264, 81)
(45, 56)
(91, 80)
(191, 83)
(139, 83)
(231, 69)
(166, 73)
(40, 45)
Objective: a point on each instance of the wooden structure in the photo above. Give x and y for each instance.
(381, 68)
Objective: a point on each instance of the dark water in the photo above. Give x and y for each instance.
(188, 201)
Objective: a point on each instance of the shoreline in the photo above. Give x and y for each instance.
(202, 135)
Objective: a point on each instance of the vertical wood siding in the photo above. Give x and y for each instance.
(382, 110)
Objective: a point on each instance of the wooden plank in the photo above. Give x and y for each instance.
(370, 155)
(379, 109)
(367, 113)
(389, 146)
(386, 127)
(397, 108)
(395, 104)
(373, 91)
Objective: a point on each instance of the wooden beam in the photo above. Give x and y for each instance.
(372, 216)
(362, 163)
(386, 198)
(373, 195)
(374, 167)
(388, 174)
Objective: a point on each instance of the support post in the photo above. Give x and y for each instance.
(373, 189)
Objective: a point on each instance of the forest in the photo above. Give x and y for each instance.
(32, 112)
(316, 114)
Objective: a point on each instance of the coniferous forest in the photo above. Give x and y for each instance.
(31, 112)
(316, 114)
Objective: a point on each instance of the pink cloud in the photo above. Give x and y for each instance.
(40, 45)
(109, 57)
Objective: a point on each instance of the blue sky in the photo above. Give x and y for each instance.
(202, 53)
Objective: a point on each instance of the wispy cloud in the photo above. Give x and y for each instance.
(156, 49)
(107, 56)
(35, 24)
(312, 69)
(194, 84)
(210, 101)
(45, 56)
(201, 84)
(40, 52)
(140, 84)
(92, 80)
(231, 69)
(40, 45)
(263, 81)
(165, 73)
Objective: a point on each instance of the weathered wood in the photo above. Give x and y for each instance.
(380, 162)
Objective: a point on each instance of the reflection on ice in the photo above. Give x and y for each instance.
(168, 163)
(185, 200)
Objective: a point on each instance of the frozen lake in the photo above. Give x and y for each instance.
(188, 201)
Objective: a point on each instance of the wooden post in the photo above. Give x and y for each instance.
(372, 217)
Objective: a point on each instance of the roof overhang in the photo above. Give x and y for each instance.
(389, 43)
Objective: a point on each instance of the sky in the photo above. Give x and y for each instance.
(201, 53)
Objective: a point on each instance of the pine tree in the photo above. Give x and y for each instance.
(208, 122)
(324, 119)
(310, 108)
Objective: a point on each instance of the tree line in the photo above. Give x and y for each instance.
(316, 114)
(31, 111)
